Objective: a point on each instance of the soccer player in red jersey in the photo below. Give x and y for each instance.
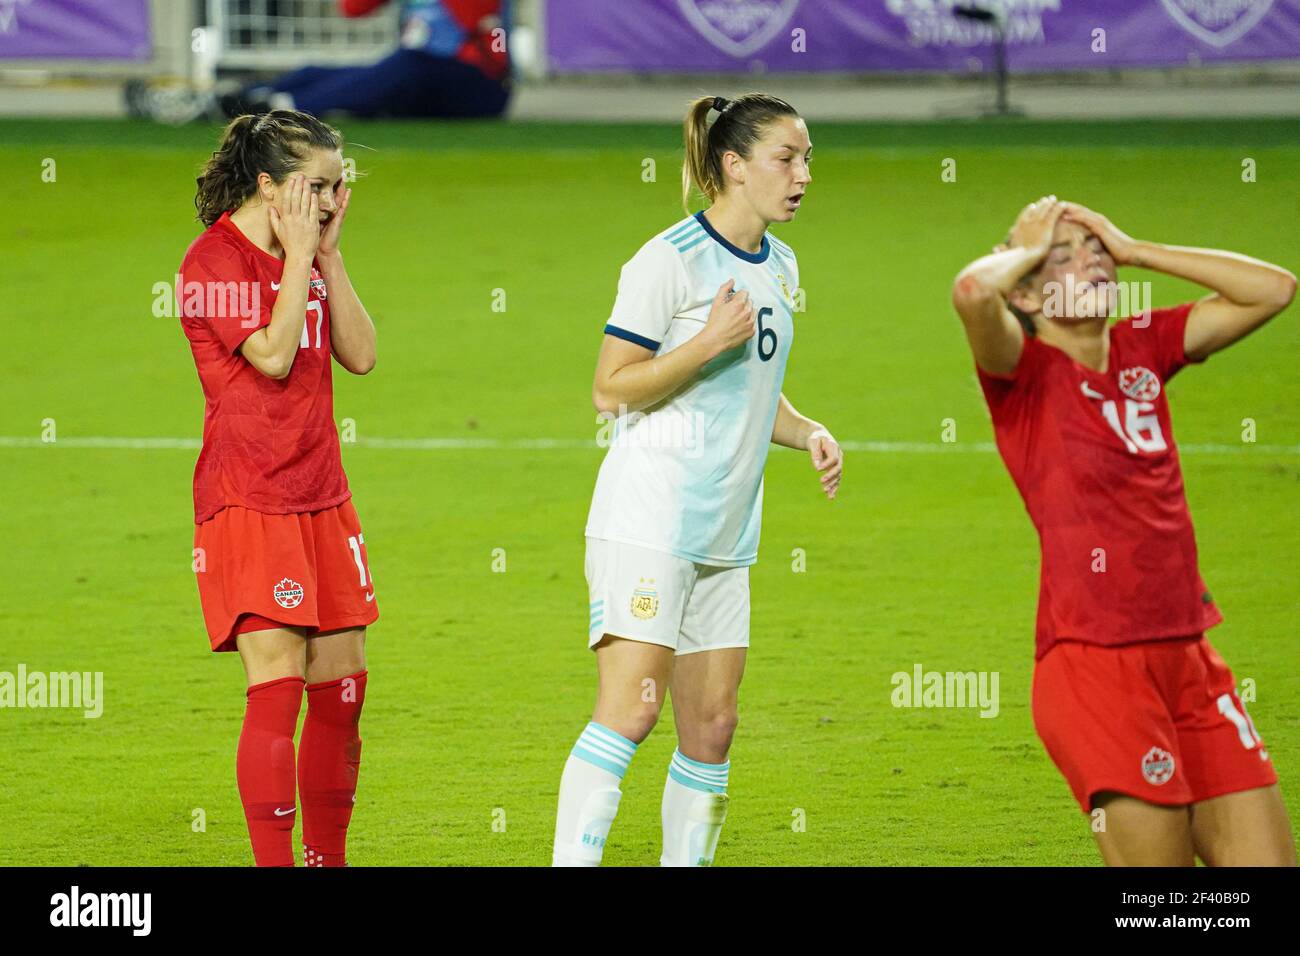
(1133, 704)
(279, 554)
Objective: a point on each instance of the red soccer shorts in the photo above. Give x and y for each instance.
(257, 571)
(1159, 720)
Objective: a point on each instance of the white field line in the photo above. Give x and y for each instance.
(561, 444)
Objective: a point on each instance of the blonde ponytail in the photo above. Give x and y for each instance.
(695, 168)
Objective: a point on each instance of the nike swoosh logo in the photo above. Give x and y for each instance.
(1091, 393)
(370, 597)
(275, 287)
(285, 813)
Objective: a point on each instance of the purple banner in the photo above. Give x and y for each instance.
(884, 35)
(80, 29)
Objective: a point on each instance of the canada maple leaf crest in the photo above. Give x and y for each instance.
(288, 593)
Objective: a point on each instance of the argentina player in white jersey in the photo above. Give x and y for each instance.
(692, 364)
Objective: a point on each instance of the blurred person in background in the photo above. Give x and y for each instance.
(452, 62)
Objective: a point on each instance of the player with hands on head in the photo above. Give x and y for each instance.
(1133, 704)
(690, 369)
(280, 558)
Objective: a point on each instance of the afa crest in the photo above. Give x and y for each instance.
(645, 600)
(785, 289)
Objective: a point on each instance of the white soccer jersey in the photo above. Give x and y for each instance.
(686, 476)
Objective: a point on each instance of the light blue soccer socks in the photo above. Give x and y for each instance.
(694, 808)
(694, 803)
(589, 795)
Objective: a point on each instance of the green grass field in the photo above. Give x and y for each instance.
(480, 681)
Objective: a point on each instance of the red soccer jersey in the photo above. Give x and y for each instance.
(268, 446)
(1093, 456)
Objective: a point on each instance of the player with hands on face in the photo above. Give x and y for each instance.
(281, 561)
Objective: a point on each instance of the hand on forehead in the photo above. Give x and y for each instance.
(1067, 231)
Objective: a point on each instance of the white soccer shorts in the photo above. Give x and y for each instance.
(653, 596)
